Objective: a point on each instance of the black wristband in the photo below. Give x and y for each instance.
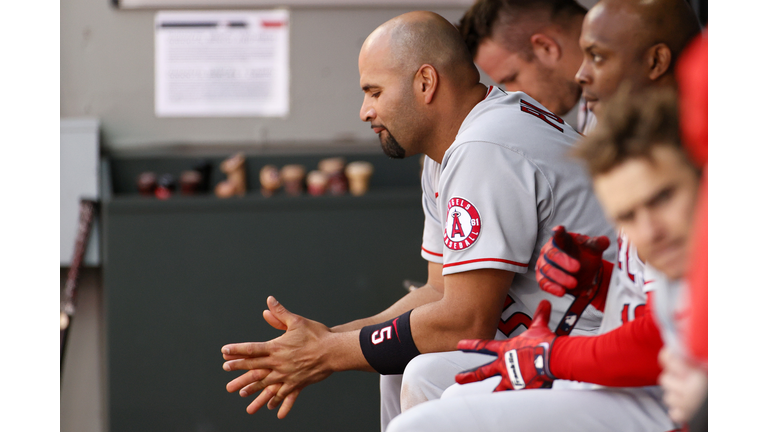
(389, 346)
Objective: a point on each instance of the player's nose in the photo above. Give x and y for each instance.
(367, 113)
(649, 228)
(583, 75)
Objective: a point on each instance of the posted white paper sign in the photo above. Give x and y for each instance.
(221, 64)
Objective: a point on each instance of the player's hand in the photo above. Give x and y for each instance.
(684, 385)
(282, 367)
(571, 262)
(522, 361)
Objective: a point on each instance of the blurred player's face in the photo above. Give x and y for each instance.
(653, 202)
(388, 104)
(612, 52)
(556, 91)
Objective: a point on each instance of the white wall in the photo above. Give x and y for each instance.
(79, 179)
(107, 72)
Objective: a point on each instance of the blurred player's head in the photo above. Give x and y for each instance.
(632, 40)
(406, 65)
(528, 45)
(642, 177)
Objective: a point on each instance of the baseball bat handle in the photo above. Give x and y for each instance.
(87, 209)
(577, 307)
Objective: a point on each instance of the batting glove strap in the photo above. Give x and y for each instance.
(522, 361)
(389, 346)
(529, 367)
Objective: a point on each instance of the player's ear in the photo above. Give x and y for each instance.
(546, 49)
(425, 83)
(659, 60)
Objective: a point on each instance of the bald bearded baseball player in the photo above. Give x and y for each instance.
(496, 180)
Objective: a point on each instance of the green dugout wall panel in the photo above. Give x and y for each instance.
(185, 276)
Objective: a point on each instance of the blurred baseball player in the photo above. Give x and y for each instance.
(530, 46)
(658, 220)
(648, 187)
(496, 180)
(685, 361)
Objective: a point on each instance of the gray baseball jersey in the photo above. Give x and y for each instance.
(503, 184)
(670, 309)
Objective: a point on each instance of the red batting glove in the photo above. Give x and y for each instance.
(571, 262)
(522, 361)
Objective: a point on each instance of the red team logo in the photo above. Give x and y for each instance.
(462, 224)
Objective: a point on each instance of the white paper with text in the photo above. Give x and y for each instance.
(221, 64)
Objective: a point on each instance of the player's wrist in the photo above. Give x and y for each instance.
(550, 367)
(350, 326)
(340, 351)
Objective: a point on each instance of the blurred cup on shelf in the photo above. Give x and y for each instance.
(332, 165)
(359, 174)
(166, 184)
(147, 183)
(292, 177)
(269, 176)
(317, 182)
(190, 182)
(338, 184)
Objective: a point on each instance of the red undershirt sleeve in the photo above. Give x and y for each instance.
(623, 357)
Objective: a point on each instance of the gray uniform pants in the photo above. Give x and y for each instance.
(588, 410)
(424, 379)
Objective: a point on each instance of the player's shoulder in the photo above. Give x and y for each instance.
(483, 156)
(515, 119)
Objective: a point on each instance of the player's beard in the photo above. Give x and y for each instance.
(562, 94)
(407, 123)
(390, 146)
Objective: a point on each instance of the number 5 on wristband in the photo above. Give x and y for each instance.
(389, 346)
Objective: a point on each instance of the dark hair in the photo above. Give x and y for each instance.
(514, 16)
(631, 126)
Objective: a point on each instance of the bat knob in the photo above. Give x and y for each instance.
(64, 321)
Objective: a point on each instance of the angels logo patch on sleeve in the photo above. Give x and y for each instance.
(462, 224)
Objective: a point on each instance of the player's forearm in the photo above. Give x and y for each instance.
(469, 309)
(624, 357)
(439, 326)
(424, 295)
(433, 319)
